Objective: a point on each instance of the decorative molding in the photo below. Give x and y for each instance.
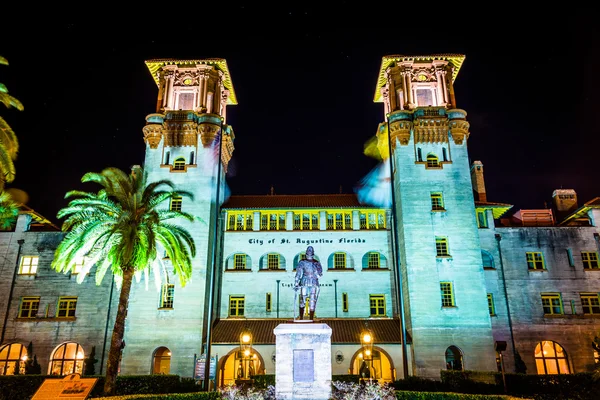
(400, 130)
(180, 133)
(207, 132)
(152, 135)
(429, 130)
(459, 129)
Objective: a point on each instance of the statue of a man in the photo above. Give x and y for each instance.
(308, 272)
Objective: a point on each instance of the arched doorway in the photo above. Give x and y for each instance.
(12, 358)
(235, 366)
(67, 359)
(551, 358)
(161, 361)
(454, 359)
(379, 366)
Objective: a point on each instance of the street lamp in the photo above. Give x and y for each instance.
(245, 355)
(366, 342)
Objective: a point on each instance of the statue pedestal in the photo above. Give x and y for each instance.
(303, 361)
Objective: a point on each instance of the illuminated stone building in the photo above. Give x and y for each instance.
(465, 278)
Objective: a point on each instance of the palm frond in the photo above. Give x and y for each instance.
(9, 139)
(3, 61)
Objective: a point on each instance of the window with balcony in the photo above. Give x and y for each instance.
(179, 164)
(432, 161)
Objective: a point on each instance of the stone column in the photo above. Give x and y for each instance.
(161, 91)
(444, 87)
(323, 220)
(355, 220)
(289, 221)
(256, 221)
(451, 89)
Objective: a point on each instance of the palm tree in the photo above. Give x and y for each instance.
(122, 228)
(9, 210)
(9, 146)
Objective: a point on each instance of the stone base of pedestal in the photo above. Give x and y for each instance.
(303, 361)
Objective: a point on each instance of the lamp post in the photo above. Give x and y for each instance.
(245, 357)
(366, 341)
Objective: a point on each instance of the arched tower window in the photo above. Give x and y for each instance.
(551, 358)
(454, 359)
(161, 362)
(12, 358)
(432, 161)
(67, 359)
(487, 259)
(179, 164)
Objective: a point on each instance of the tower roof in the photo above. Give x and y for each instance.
(219, 63)
(455, 60)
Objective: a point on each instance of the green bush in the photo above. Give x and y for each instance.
(402, 395)
(24, 386)
(263, 381)
(477, 382)
(418, 384)
(346, 378)
(173, 396)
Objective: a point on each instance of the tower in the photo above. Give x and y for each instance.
(443, 285)
(184, 138)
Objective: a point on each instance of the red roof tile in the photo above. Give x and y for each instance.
(343, 330)
(294, 201)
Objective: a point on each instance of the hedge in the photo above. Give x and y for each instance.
(172, 396)
(403, 395)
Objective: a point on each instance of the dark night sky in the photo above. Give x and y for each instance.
(304, 79)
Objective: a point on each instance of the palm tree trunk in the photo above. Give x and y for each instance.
(116, 343)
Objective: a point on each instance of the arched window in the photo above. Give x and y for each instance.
(487, 259)
(272, 261)
(302, 256)
(161, 362)
(454, 359)
(551, 358)
(374, 260)
(67, 359)
(179, 164)
(340, 260)
(432, 161)
(12, 356)
(239, 261)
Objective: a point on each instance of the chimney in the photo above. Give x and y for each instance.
(272, 190)
(478, 182)
(564, 202)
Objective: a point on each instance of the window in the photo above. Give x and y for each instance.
(441, 247)
(339, 221)
(66, 306)
(535, 260)
(590, 303)
(447, 294)
(306, 221)
(550, 358)
(271, 221)
(11, 359)
(432, 161)
(179, 164)
(339, 260)
(345, 302)
(482, 221)
(28, 265)
(273, 261)
(552, 304)
(371, 219)
(29, 307)
(590, 259)
(161, 361)
(268, 302)
(377, 303)
(596, 357)
(167, 292)
(425, 97)
(176, 202)
(454, 359)
(419, 155)
(491, 308)
(236, 306)
(78, 265)
(373, 261)
(437, 202)
(67, 359)
(185, 101)
(239, 261)
(487, 260)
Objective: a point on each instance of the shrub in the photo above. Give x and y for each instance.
(400, 395)
(233, 392)
(263, 381)
(358, 391)
(172, 396)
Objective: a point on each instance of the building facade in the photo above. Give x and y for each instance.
(467, 283)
